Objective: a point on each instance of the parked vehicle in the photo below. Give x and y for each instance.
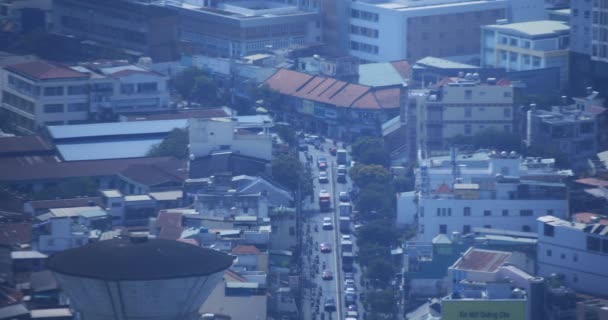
(329, 305)
(325, 247)
(333, 151)
(327, 224)
(327, 275)
(341, 156)
(324, 201)
(344, 197)
(323, 177)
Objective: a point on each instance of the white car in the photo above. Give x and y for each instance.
(349, 282)
(343, 197)
(326, 219)
(346, 237)
(350, 290)
(323, 177)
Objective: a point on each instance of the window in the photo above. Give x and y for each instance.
(443, 228)
(468, 112)
(53, 108)
(147, 87)
(526, 44)
(526, 228)
(593, 244)
(513, 56)
(75, 90)
(506, 112)
(467, 211)
(536, 61)
(503, 40)
(438, 212)
(505, 212)
(466, 229)
(467, 129)
(487, 213)
(526, 59)
(507, 94)
(548, 230)
(503, 55)
(468, 94)
(53, 91)
(77, 107)
(449, 212)
(513, 42)
(127, 88)
(525, 213)
(549, 252)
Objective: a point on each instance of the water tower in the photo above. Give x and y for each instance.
(138, 278)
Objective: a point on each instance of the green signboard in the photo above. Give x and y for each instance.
(483, 309)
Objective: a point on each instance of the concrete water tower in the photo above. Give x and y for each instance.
(138, 278)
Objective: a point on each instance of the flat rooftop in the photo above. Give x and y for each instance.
(533, 28)
(481, 260)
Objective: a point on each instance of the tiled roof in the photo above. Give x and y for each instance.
(172, 171)
(330, 91)
(403, 67)
(42, 70)
(25, 144)
(72, 169)
(482, 260)
(593, 182)
(64, 203)
(245, 249)
(585, 217)
(443, 188)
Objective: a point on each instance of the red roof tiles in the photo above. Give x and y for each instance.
(332, 91)
(585, 217)
(245, 249)
(25, 144)
(403, 67)
(43, 70)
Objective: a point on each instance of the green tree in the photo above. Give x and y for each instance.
(364, 175)
(287, 134)
(174, 145)
(382, 301)
(288, 171)
(370, 150)
(404, 183)
(375, 202)
(272, 99)
(204, 90)
(381, 272)
(380, 232)
(370, 251)
(185, 82)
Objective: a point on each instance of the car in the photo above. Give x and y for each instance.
(303, 147)
(326, 219)
(349, 282)
(350, 289)
(323, 177)
(353, 307)
(327, 224)
(350, 299)
(344, 197)
(341, 178)
(349, 275)
(333, 151)
(346, 237)
(327, 275)
(352, 314)
(321, 160)
(329, 305)
(325, 247)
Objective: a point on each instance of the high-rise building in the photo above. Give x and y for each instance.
(410, 30)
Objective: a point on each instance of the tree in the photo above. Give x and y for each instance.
(204, 90)
(382, 301)
(288, 171)
(364, 175)
(380, 232)
(375, 202)
(370, 150)
(174, 145)
(287, 134)
(189, 82)
(381, 271)
(404, 183)
(272, 98)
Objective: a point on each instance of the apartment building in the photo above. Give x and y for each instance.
(570, 130)
(492, 190)
(40, 93)
(575, 251)
(410, 30)
(527, 46)
(136, 28)
(241, 28)
(462, 105)
(589, 45)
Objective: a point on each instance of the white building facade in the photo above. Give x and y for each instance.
(576, 252)
(483, 190)
(404, 29)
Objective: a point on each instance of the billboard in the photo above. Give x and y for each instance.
(483, 309)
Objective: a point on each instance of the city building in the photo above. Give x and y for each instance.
(170, 278)
(588, 46)
(428, 28)
(486, 282)
(527, 46)
(491, 190)
(463, 105)
(133, 28)
(592, 309)
(242, 28)
(335, 108)
(575, 252)
(40, 93)
(24, 16)
(571, 131)
(62, 233)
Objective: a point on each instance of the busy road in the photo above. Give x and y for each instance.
(325, 294)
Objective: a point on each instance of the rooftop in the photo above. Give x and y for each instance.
(384, 73)
(245, 249)
(115, 128)
(181, 114)
(111, 149)
(138, 259)
(441, 63)
(332, 91)
(43, 70)
(23, 144)
(88, 211)
(64, 203)
(533, 28)
(481, 260)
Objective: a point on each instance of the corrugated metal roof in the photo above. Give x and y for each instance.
(379, 74)
(120, 149)
(115, 128)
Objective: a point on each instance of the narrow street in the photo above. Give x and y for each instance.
(317, 290)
